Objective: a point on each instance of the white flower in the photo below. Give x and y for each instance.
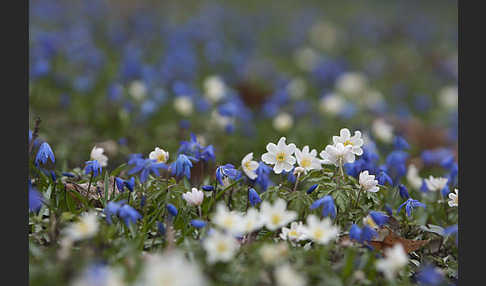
(194, 197)
(286, 276)
(382, 130)
(448, 97)
(299, 170)
(454, 198)
(280, 155)
(160, 155)
(137, 89)
(345, 138)
(413, 177)
(297, 88)
(97, 275)
(85, 228)
(249, 166)
(97, 154)
(170, 269)
(395, 259)
(332, 104)
(219, 120)
(273, 253)
(283, 122)
(351, 83)
(214, 88)
(220, 246)
(324, 35)
(373, 98)
(320, 231)
(337, 154)
(251, 221)
(306, 58)
(308, 160)
(227, 220)
(276, 215)
(435, 184)
(294, 233)
(368, 182)
(183, 105)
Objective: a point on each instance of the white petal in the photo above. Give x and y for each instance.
(269, 158)
(278, 168)
(272, 148)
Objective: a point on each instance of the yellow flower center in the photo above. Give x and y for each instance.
(293, 233)
(280, 157)
(318, 234)
(248, 166)
(228, 222)
(347, 142)
(161, 158)
(276, 218)
(305, 163)
(221, 247)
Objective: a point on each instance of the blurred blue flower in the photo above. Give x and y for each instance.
(254, 197)
(383, 178)
(328, 207)
(145, 167)
(429, 275)
(35, 199)
(160, 228)
(129, 215)
(312, 188)
(172, 210)
(379, 218)
(436, 156)
(198, 223)
(400, 143)
(44, 153)
(403, 191)
(263, 180)
(93, 167)
(111, 209)
(362, 235)
(410, 204)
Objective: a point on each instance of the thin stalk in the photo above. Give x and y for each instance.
(89, 184)
(296, 182)
(357, 199)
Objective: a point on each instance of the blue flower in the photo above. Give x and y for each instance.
(388, 210)
(160, 228)
(445, 191)
(362, 235)
(379, 218)
(182, 166)
(453, 174)
(68, 174)
(93, 167)
(254, 197)
(207, 154)
(44, 153)
(403, 191)
(172, 210)
(207, 188)
(400, 143)
(263, 179)
(396, 165)
(111, 209)
(35, 199)
(198, 223)
(193, 149)
(53, 176)
(129, 214)
(384, 178)
(227, 170)
(145, 167)
(312, 188)
(328, 207)
(429, 275)
(120, 184)
(423, 187)
(355, 232)
(130, 184)
(410, 204)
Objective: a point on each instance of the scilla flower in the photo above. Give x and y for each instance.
(276, 215)
(320, 231)
(346, 139)
(160, 155)
(395, 259)
(254, 197)
(220, 246)
(249, 166)
(403, 191)
(99, 275)
(198, 223)
(328, 207)
(337, 155)
(383, 178)
(194, 197)
(436, 184)
(312, 188)
(307, 160)
(280, 156)
(376, 219)
(92, 167)
(182, 166)
(44, 153)
(362, 235)
(97, 154)
(227, 171)
(145, 167)
(172, 210)
(454, 198)
(85, 228)
(410, 204)
(35, 199)
(429, 275)
(128, 214)
(368, 182)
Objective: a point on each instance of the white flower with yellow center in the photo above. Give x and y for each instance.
(170, 269)
(351, 83)
(306, 58)
(332, 104)
(346, 139)
(220, 246)
(251, 221)
(214, 88)
(249, 166)
(194, 197)
(283, 122)
(413, 177)
(85, 228)
(294, 233)
(297, 88)
(454, 198)
(435, 184)
(280, 155)
(368, 182)
(97, 154)
(320, 231)
(308, 160)
(183, 105)
(382, 130)
(395, 259)
(286, 276)
(338, 155)
(276, 215)
(160, 155)
(448, 97)
(137, 89)
(230, 221)
(274, 253)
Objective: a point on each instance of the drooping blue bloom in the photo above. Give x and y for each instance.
(207, 188)
(44, 153)
(198, 223)
(436, 156)
(445, 191)
(93, 167)
(182, 166)
(448, 162)
(368, 161)
(254, 197)
(194, 150)
(207, 153)
(383, 178)
(120, 184)
(312, 188)
(263, 179)
(317, 203)
(362, 235)
(134, 158)
(403, 191)
(410, 204)
(160, 228)
(423, 187)
(111, 209)
(451, 229)
(290, 176)
(388, 210)
(68, 174)
(396, 165)
(35, 199)
(379, 218)
(328, 207)
(172, 210)
(129, 215)
(53, 176)
(130, 184)
(400, 143)
(453, 175)
(227, 170)
(429, 275)
(355, 232)
(143, 200)
(145, 167)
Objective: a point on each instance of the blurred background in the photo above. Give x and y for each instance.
(131, 75)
